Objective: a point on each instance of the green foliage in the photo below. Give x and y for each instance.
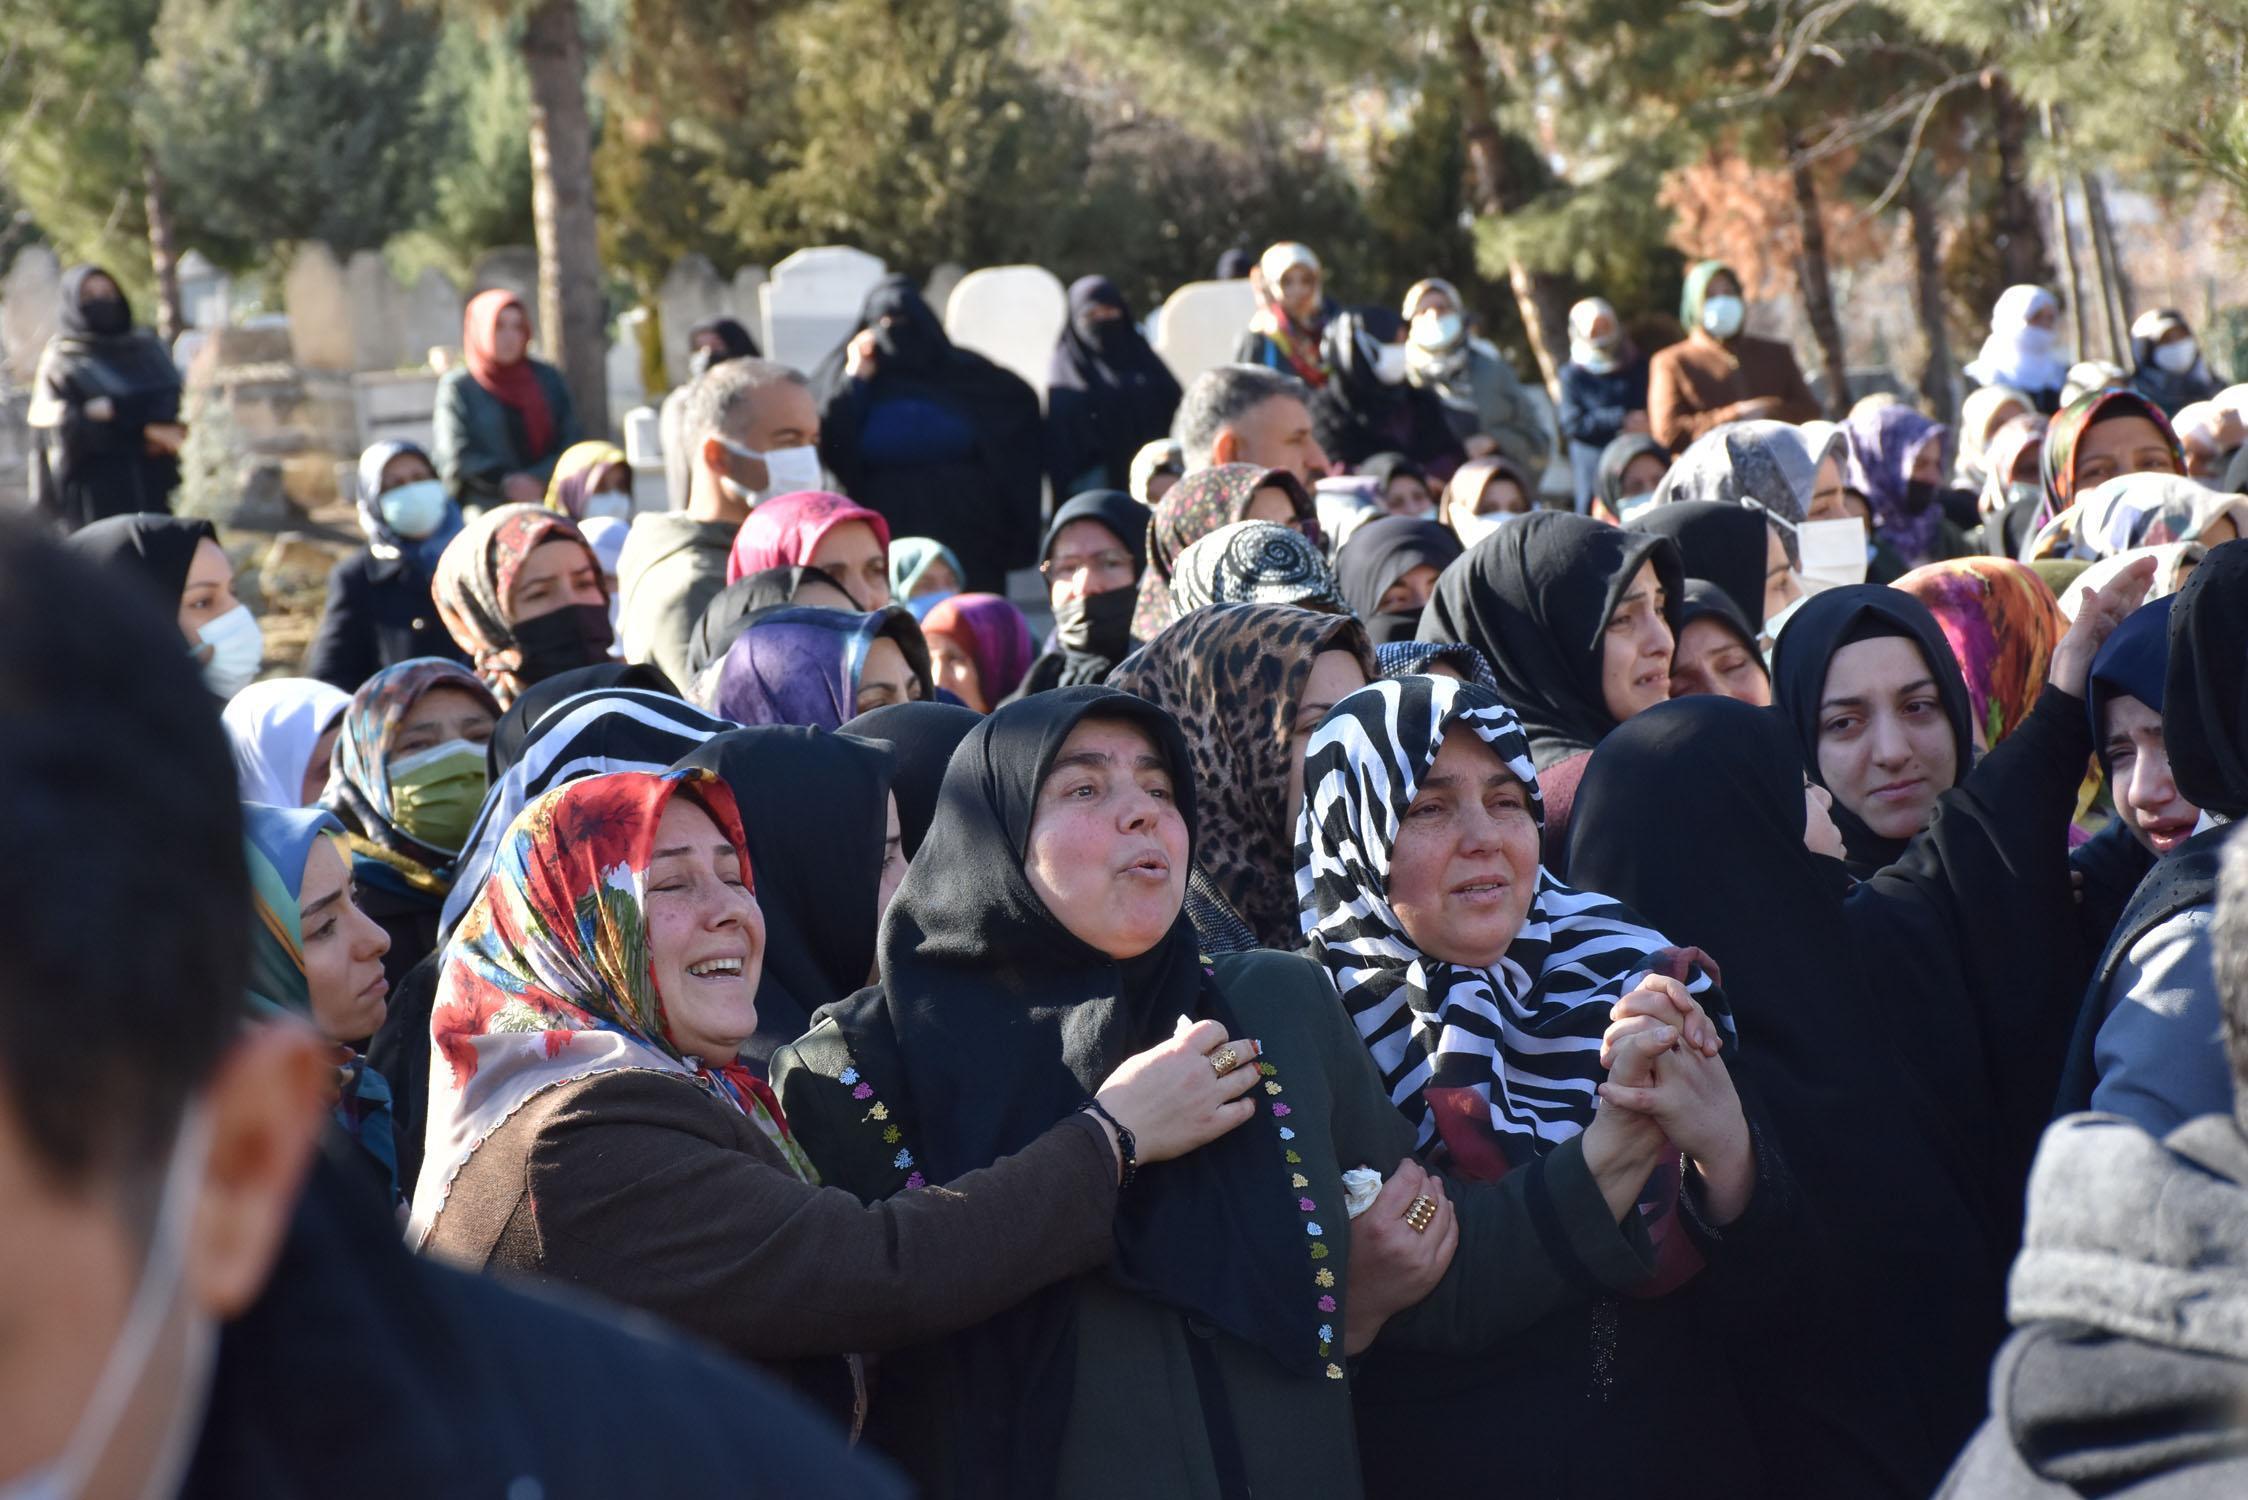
(478, 176)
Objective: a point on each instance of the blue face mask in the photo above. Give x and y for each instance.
(413, 510)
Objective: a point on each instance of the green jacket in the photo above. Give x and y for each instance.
(1137, 1425)
(480, 439)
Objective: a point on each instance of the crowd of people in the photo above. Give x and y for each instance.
(1727, 978)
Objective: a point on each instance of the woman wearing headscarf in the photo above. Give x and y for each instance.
(1248, 683)
(1435, 659)
(1603, 392)
(2095, 438)
(1793, 474)
(105, 410)
(816, 529)
(1717, 374)
(315, 955)
(2152, 817)
(2174, 563)
(979, 648)
(1480, 984)
(1201, 503)
(921, 738)
(2023, 352)
(1981, 415)
(1896, 462)
(523, 594)
(2167, 363)
(1387, 570)
(818, 667)
(937, 439)
(1368, 406)
(1254, 562)
(2013, 484)
(1578, 620)
(739, 604)
(1631, 470)
(1287, 331)
(2002, 625)
(923, 570)
(1155, 468)
(591, 481)
(283, 731)
(380, 610)
(1737, 549)
(1107, 393)
(713, 341)
(596, 1060)
(187, 575)
(1489, 411)
(1484, 495)
(1401, 486)
(1092, 558)
(2143, 510)
(1039, 937)
(411, 774)
(503, 418)
(1718, 651)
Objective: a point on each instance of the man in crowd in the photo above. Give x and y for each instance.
(1246, 414)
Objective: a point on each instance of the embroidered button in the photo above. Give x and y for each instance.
(1298, 1180)
(1334, 1372)
(1327, 1303)
(1305, 1205)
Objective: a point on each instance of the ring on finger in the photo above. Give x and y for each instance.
(1420, 1213)
(1224, 1060)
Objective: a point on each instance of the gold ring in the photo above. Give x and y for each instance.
(1421, 1213)
(1224, 1060)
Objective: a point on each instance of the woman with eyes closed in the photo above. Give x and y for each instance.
(589, 1120)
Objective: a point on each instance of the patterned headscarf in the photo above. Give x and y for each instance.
(1415, 658)
(1512, 1050)
(2148, 510)
(381, 540)
(2066, 434)
(993, 633)
(550, 978)
(476, 578)
(786, 530)
(1301, 346)
(1196, 506)
(362, 781)
(1767, 466)
(1883, 444)
(1233, 676)
(574, 471)
(1254, 562)
(2002, 624)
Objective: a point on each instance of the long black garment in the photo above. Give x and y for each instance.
(1724, 544)
(1107, 394)
(1356, 415)
(941, 441)
(83, 470)
(1376, 556)
(815, 860)
(981, 982)
(1092, 633)
(921, 738)
(1841, 617)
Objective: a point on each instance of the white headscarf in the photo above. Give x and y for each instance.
(2018, 353)
(273, 727)
(1582, 350)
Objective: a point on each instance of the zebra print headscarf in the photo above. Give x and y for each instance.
(1522, 1036)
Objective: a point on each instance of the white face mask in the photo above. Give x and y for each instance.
(787, 470)
(614, 505)
(1631, 505)
(414, 510)
(1833, 552)
(1436, 331)
(1389, 364)
(1723, 316)
(237, 651)
(1473, 529)
(159, 1304)
(2178, 356)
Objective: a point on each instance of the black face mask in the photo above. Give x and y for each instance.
(1393, 626)
(1099, 624)
(105, 315)
(578, 636)
(1919, 495)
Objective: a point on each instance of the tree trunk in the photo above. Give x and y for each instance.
(1818, 291)
(2021, 246)
(1928, 289)
(2066, 241)
(1541, 298)
(562, 206)
(161, 255)
(2115, 281)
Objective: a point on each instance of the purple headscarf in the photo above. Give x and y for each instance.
(801, 666)
(1883, 444)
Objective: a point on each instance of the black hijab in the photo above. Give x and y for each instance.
(2205, 688)
(1616, 458)
(1725, 544)
(921, 738)
(1820, 627)
(1128, 393)
(1535, 598)
(1376, 556)
(981, 982)
(158, 548)
(736, 606)
(913, 346)
(818, 806)
(73, 317)
(734, 340)
(1706, 601)
(1092, 634)
(517, 728)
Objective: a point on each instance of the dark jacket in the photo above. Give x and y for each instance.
(379, 614)
(481, 439)
(83, 470)
(1593, 405)
(364, 1372)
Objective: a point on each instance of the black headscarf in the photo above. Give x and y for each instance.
(1706, 601)
(1820, 627)
(1107, 392)
(1535, 598)
(516, 728)
(818, 812)
(73, 317)
(1376, 556)
(158, 548)
(77, 477)
(733, 608)
(921, 738)
(734, 340)
(981, 982)
(1693, 815)
(1617, 457)
(1355, 415)
(1725, 544)
(2205, 689)
(1091, 634)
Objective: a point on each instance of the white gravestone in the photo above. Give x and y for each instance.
(318, 299)
(812, 302)
(30, 312)
(1011, 315)
(692, 293)
(1201, 325)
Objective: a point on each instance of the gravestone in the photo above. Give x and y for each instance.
(206, 292)
(621, 365)
(318, 299)
(1011, 315)
(938, 290)
(691, 293)
(513, 268)
(374, 312)
(429, 317)
(747, 303)
(1201, 325)
(30, 312)
(812, 302)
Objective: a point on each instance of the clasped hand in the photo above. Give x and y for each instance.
(1661, 1051)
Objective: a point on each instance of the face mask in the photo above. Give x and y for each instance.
(436, 793)
(1632, 505)
(1833, 552)
(1394, 625)
(237, 651)
(414, 510)
(1919, 495)
(105, 315)
(158, 1305)
(613, 505)
(2177, 357)
(1436, 331)
(575, 636)
(2035, 341)
(1389, 364)
(2025, 492)
(1473, 529)
(1723, 316)
(787, 470)
(1097, 623)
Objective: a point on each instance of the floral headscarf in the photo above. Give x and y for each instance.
(1299, 345)
(550, 979)
(1254, 562)
(362, 783)
(2002, 624)
(2066, 434)
(786, 530)
(1883, 444)
(2148, 510)
(1196, 506)
(476, 577)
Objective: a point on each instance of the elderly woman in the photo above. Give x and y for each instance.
(816, 529)
(1039, 938)
(523, 594)
(380, 611)
(503, 418)
(189, 576)
(105, 410)
(1603, 392)
(1201, 503)
(598, 1061)
(1484, 400)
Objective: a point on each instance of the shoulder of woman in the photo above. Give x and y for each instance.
(1267, 986)
(637, 1096)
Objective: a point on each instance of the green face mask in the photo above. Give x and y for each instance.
(435, 794)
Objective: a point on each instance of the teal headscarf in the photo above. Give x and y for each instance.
(910, 557)
(1697, 287)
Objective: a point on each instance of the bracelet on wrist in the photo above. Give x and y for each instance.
(1125, 1146)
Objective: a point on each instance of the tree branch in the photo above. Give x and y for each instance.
(1809, 31)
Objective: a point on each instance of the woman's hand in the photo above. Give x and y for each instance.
(859, 357)
(164, 439)
(1667, 1001)
(1690, 1096)
(101, 409)
(1173, 1098)
(522, 489)
(1392, 1264)
(2096, 619)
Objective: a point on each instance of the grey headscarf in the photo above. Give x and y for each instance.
(1767, 466)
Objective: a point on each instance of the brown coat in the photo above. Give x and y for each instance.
(1698, 385)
